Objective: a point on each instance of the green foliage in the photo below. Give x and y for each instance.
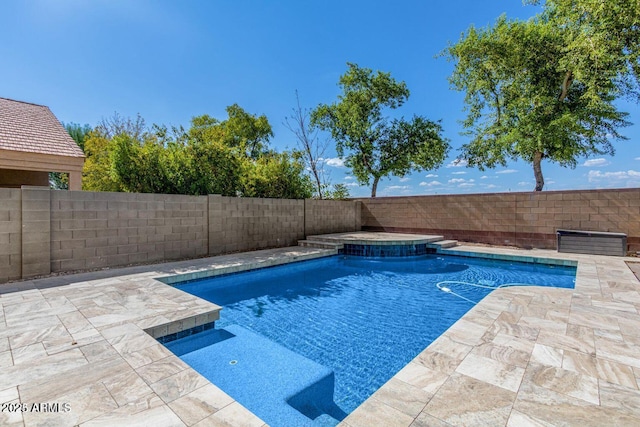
(277, 175)
(339, 192)
(60, 180)
(78, 133)
(544, 88)
(211, 157)
(374, 146)
(603, 40)
(97, 174)
(245, 133)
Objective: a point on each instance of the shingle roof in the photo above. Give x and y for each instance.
(33, 128)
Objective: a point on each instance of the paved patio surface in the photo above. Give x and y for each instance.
(522, 356)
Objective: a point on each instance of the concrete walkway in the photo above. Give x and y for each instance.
(522, 356)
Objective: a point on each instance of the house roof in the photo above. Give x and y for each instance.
(33, 128)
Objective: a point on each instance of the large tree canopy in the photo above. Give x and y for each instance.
(545, 88)
(375, 146)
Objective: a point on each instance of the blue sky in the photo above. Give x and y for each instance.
(172, 60)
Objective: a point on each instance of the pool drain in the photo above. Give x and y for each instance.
(233, 362)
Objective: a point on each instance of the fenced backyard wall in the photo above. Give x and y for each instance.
(527, 220)
(44, 231)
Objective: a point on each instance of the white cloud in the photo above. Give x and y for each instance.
(523, 183)
(595, 175)
(484, 177)
(352, 184)
(507, 171)
(336, 162)
(397, 187)
(348, 178)
(596, 163)
(405, 179)
(637, 158)
(491, 186)
(458, 173)
(466, 184)
(457, 163)
(433, 175)
(430, 184)
(462, 182)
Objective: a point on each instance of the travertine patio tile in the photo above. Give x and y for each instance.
(86, 403)
(518, 419)
(542, 323)
(451, 347)
(233, 414)
(50, 385)
(200, 403)
(547, 407)
(6, 359)
(9, 394)
(146, 355)
(404, 397)
(126, 387)
(437, 361)
(564, 342)
(426, 420)
(161, 369)
(520, 344)
(178, 385)
(99, 350)
(466, 401)
(50, 365)
(377, 413)
(504, 354)
(158, 416)
(422, 377)
(618, 351)
(546, 355)
(619, 397)
(491, 371)
(607, 370)
(28, 353)
(564, 381)
(10, 419)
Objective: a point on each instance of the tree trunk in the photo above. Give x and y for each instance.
(537, 170)
(375, 186)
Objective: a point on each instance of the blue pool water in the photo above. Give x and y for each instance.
(289, 336)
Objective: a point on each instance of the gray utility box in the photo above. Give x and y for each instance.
(592, 242)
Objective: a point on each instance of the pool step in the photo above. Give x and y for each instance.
(444, 244)
(320, 244)
(282, 387)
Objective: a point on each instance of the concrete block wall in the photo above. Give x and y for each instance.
(241, 224)
(93, 230)
(44, 231)
(331, 216)
(519, 219)
(10, 234)
(36, 231)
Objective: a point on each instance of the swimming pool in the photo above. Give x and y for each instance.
(306, 343)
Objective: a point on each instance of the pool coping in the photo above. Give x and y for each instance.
(521, 356)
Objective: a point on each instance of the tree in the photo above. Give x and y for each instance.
(544, 89)
(78, 132)
(374, 146)
(311, 147)
(96, 173)
(244, 132)
(277, 175)
(60, 180)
